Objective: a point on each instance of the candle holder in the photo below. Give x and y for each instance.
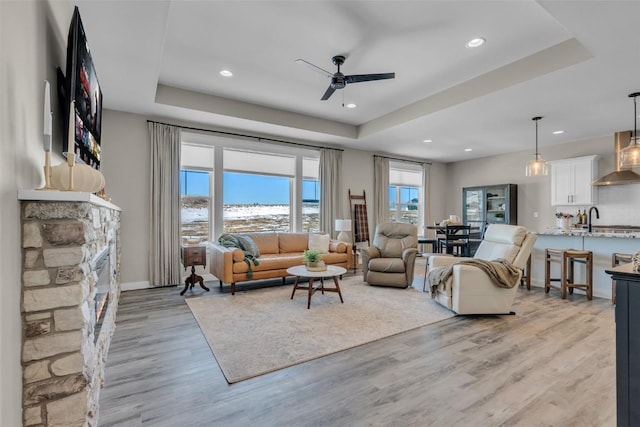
(47, 173)
(70, 163)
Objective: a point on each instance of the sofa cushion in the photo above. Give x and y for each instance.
(387, 265)
(292, 242)
(337, 246)
(267, 242)
(248, 245)
(271, 262)
(319, 242)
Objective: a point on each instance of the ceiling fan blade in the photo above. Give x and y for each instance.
(328, 93)
(356, 78)
(314, 68)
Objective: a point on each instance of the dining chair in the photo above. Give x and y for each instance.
(456, 240)
(476, 236)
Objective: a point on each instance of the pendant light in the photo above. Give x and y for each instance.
(537, 166)
(630, 155)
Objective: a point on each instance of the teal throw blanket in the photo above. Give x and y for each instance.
(232, 241)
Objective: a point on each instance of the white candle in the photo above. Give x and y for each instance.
(71, 140)
(47, 117)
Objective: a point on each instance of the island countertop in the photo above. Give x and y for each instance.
(619, 232)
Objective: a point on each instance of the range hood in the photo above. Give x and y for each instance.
(620, 175)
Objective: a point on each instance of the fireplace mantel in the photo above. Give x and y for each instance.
(63, 353)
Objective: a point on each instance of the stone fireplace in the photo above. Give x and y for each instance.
(70, 291)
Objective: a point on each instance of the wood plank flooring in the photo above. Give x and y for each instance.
(552, 364)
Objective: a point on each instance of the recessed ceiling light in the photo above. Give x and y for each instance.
(558, 132)
(468, 149)
(428, 140)
(351, 105)
(477, 42)
(226, 73)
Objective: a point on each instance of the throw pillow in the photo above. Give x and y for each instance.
(319, 242)
(248, 245)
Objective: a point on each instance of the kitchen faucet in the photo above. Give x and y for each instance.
(597, 216)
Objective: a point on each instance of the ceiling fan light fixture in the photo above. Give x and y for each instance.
(476, 42)
(538, 166)
(630, 155)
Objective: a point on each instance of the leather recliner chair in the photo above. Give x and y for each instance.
(390, 260)
(470, 290)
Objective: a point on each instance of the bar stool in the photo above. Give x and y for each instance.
(617, 259)
(567, 259)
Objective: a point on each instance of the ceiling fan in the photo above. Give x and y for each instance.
(339, 80)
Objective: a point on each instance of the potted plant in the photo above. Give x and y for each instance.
(313, 260)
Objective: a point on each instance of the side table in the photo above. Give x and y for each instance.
(192, 256)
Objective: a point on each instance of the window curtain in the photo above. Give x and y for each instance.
(164, 253)
(330, 178)
(381, 189)
(426, 197)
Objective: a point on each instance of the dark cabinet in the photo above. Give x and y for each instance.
(627, 344)
(492, 204)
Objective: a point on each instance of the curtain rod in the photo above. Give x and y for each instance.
(259, 138)
(402, 160)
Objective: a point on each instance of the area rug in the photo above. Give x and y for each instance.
(264, 330)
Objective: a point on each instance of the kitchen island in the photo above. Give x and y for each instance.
(602, 241)
(627, 344)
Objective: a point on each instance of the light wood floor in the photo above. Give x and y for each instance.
(552, 364)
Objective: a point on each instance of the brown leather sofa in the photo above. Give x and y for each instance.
(278, 251)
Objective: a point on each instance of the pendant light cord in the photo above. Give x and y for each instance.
(535, 119)
(635, 118)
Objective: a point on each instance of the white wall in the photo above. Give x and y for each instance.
(32, 44)
(126, 165)
(617, 204)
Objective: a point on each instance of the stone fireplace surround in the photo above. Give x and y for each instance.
(63, 355)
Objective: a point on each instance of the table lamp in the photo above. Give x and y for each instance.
(343, 225)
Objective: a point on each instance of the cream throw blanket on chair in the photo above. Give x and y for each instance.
(501, 271)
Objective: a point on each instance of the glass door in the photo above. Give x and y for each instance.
(496, 205)
(473, 206)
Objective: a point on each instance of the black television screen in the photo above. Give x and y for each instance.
(82, 87)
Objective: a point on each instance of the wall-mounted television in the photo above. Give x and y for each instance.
(81, 85)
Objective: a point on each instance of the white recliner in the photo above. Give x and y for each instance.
(470, 290)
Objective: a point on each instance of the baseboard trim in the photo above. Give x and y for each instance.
(133, 286)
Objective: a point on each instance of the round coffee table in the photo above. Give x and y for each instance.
(331, 271)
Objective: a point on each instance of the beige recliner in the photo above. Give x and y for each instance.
(470, 290)
(389, 261)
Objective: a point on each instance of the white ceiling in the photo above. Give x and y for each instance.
(573, 62)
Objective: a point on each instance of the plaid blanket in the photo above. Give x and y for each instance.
(361, 223)
(502, 272)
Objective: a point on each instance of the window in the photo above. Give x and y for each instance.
(251, 187)
(310, 194)
(405, 188)
(195, 204)
(255, 202)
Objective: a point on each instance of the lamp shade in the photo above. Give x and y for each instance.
(630, 156)
(343, 225)
(537, 167)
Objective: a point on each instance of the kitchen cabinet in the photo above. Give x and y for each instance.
(571, 181)
(493, 204)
